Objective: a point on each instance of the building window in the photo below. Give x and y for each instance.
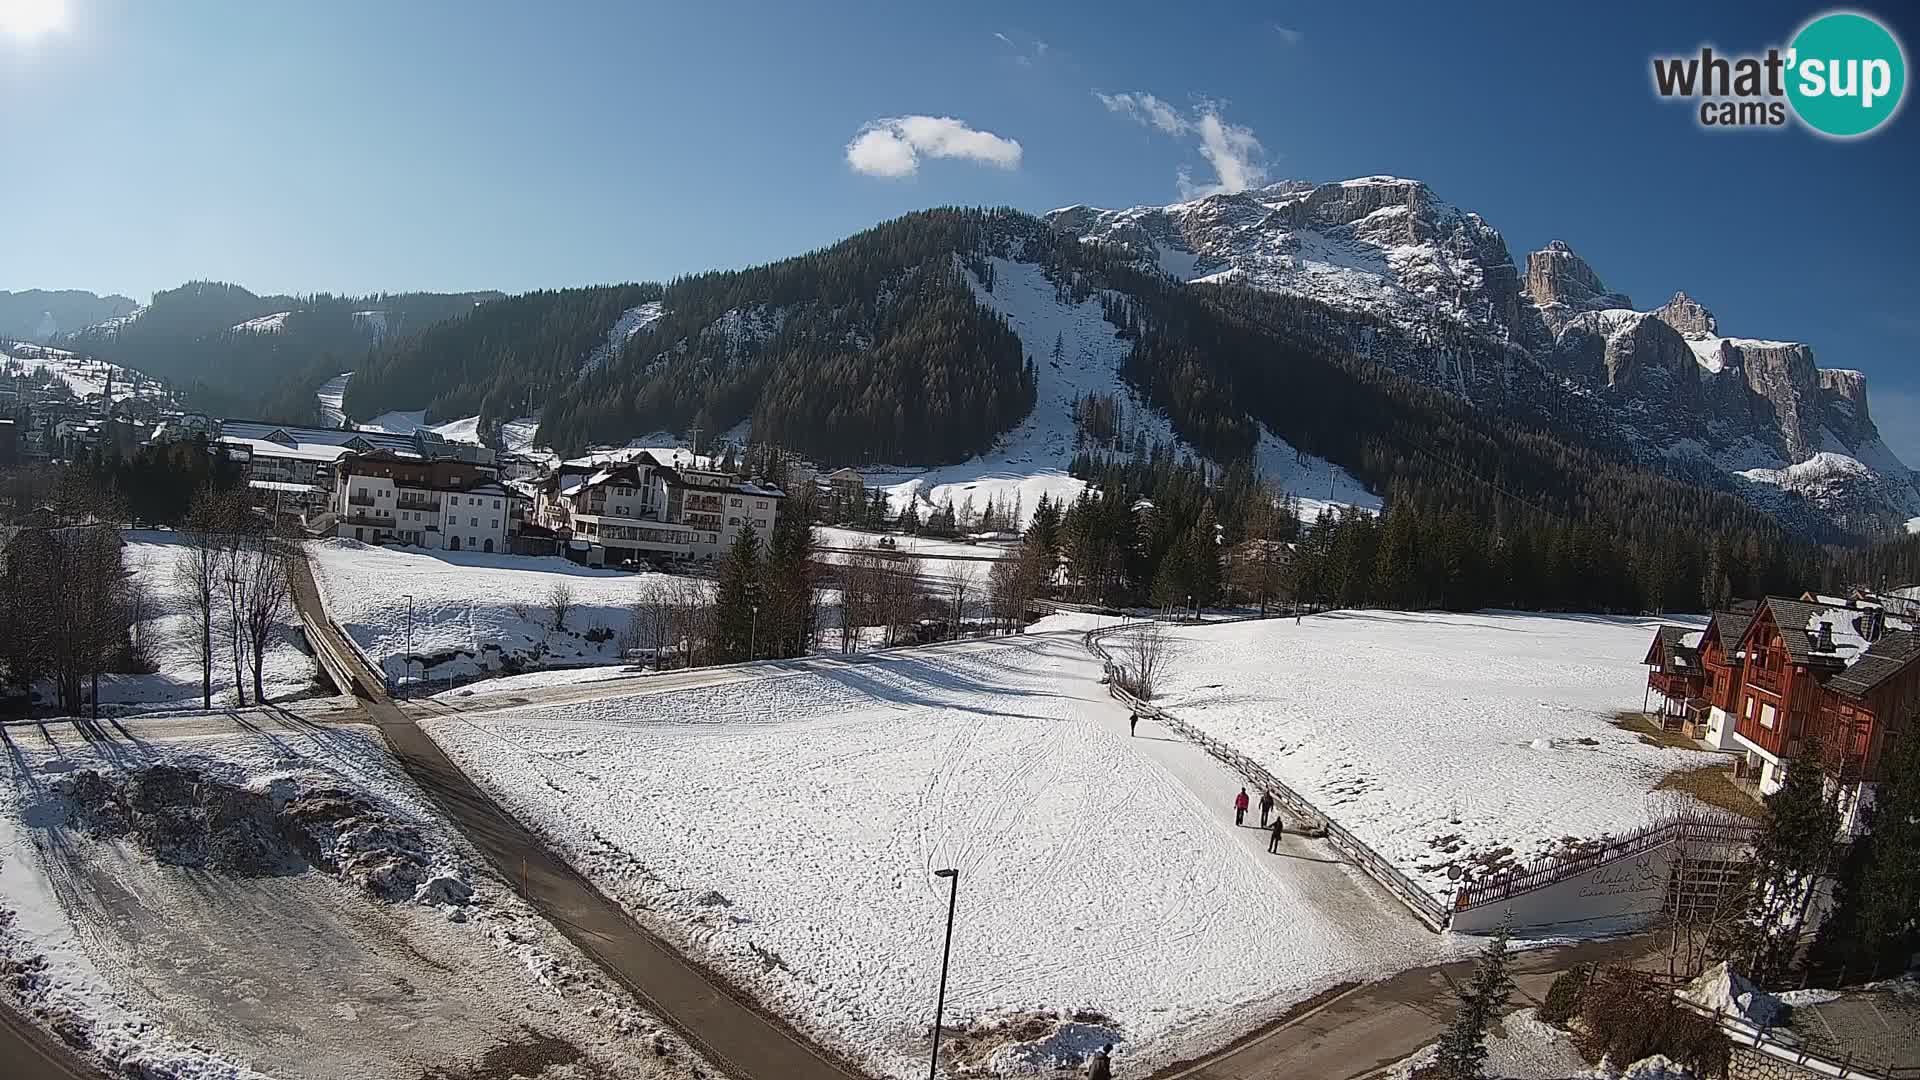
(496, 504)
(735, 502)
(496, 523)
(1766, 716)
(759, 504)
(475, 522)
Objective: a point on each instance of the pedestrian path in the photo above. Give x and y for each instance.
(1309, 867)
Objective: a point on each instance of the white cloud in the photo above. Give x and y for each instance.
(1237, 157)
(893, 147)
(1289, 34)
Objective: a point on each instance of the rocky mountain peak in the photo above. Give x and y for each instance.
(1686, 315)
(1562, 285)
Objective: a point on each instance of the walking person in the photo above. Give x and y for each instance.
(1266, 807)
(1279, 830)
(1240, 808)
(1132, 722)
(1100, 1065)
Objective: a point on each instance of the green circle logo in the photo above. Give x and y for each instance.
(1846, 74)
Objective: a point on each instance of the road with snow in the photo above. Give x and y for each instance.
(744, 1042)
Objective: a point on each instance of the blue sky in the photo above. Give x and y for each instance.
(359, 147)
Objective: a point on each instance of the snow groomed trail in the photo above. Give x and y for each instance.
(742, 1041)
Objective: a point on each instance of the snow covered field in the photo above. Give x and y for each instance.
(784, 829)
(472, 612)
(162, 950)
(1435, 737)
(170, 640)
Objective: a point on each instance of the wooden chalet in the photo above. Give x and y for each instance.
(1837, 670)
(1675, 673)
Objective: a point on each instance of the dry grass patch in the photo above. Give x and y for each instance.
(1651, 732)
(1713, 785)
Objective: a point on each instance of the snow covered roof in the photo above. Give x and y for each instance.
(298, 452)
(281, 485)
(1881, 661)
(1678, 649)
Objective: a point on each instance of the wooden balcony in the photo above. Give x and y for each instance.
(1773, 682)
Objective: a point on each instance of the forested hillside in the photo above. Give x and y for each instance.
(230, 352)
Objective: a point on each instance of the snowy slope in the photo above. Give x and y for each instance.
(1032, 459)
(784, 829)
(1433, 737)
(330, 397)
(85, 375)
(471, 612)
(630, 322)
(265, 324)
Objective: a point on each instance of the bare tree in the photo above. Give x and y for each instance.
(964, 583)
(898, 600)
(559, 602)
(196, 574)
(268, 600)
(1012, 584)
(861, 588)
(1144, 652)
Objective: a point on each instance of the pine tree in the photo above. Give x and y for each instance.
(1793, 852)
(1483, 1000)
(736, 597)
(1875, 925)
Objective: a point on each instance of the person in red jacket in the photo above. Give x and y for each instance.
(1240, 807)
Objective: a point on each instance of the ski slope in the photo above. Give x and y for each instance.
(785, 829)
(1032, 459)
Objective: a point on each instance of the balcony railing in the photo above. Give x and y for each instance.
(360, 500)
(417, 503)
(1764, 679)
(365, 519)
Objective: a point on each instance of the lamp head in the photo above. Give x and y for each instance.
(946, 873)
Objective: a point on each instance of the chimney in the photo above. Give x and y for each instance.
(1823, 642)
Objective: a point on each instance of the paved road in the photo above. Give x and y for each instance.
(29, 1053)
(1362, 1032)
(739, 1039)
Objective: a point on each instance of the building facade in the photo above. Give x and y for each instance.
(1838, 672)
(442, 503)
(639, 511)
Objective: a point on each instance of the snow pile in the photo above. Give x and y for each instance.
(156, 893)
(1726, 992)
(1440, 740)
(784, 826)
(472, 613)
(280, 825)
(1521, 1047)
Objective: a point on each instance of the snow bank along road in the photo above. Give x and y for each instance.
(742, 1042)
(780, 825)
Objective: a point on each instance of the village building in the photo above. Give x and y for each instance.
(637, 510)
(388, 496)
(1840, 671)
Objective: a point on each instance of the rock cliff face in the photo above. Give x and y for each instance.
(1554, 344)
(1562, 285)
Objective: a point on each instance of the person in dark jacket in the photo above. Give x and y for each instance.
(1100, 1065)
(1132, 722)
(1279, 830)
(1266, 807)
(1240, 802)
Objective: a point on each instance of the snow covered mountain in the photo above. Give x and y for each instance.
(1436, 294)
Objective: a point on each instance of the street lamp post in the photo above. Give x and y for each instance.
(409, 691)
(753, 635)
(940, 1003)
